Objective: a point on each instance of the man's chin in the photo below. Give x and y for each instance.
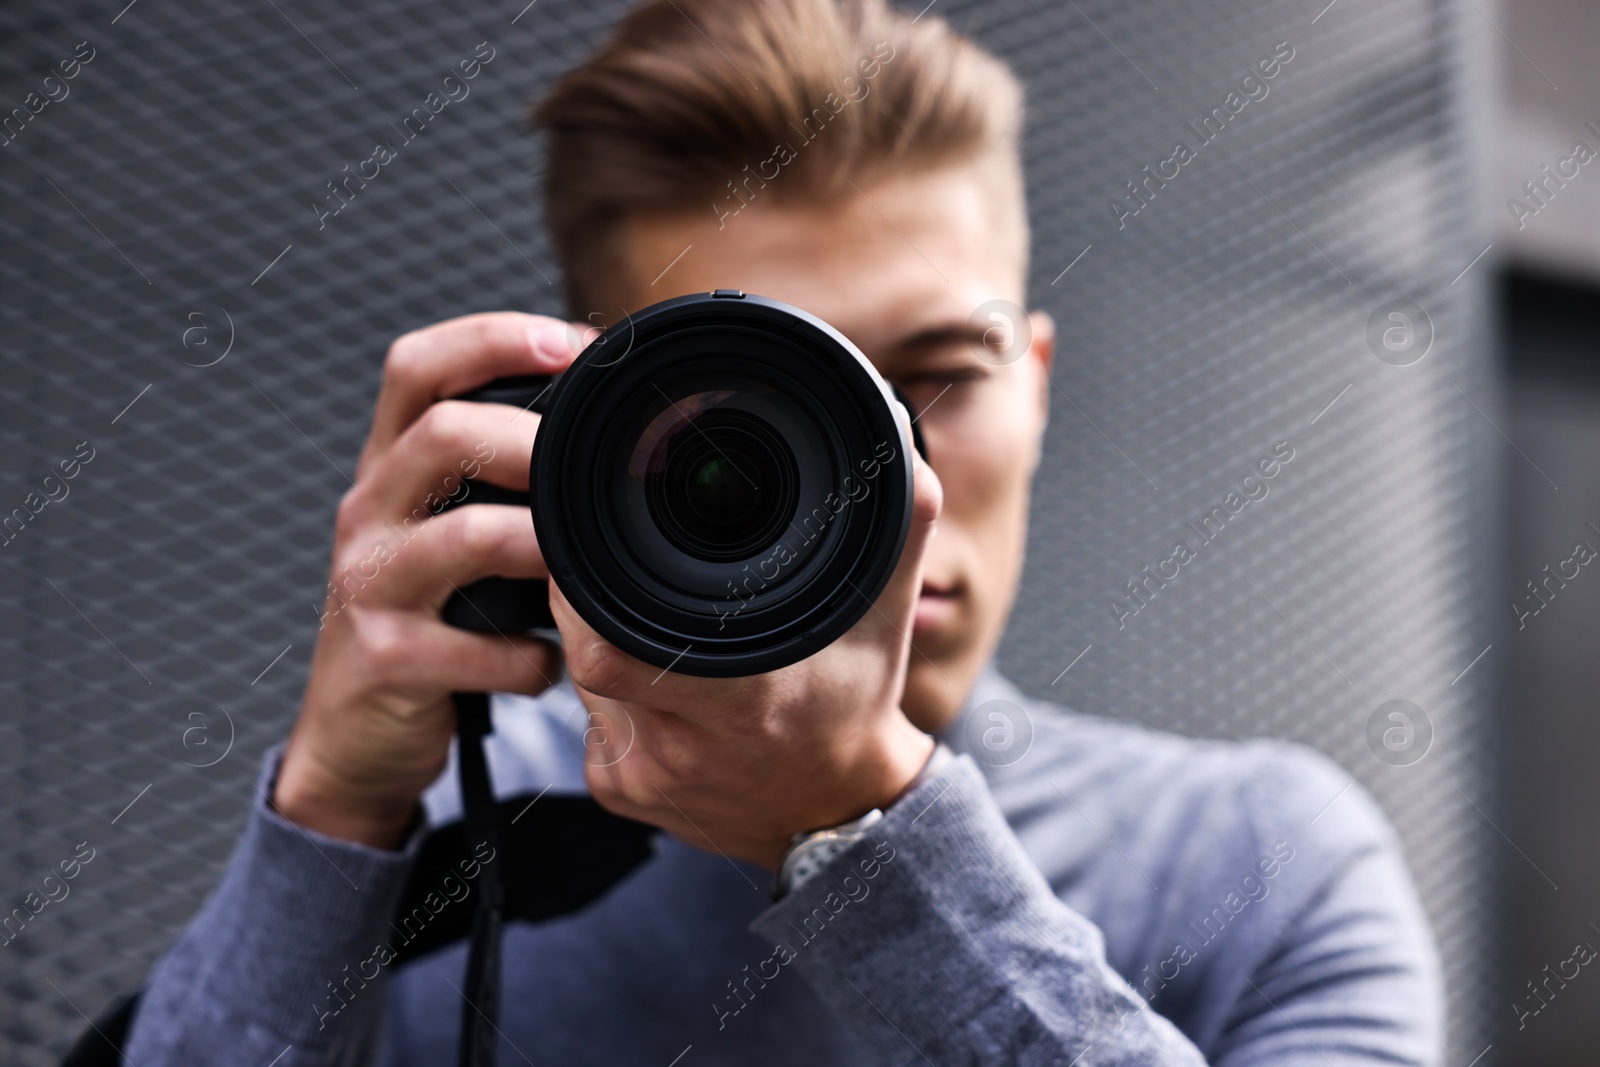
(937, 676)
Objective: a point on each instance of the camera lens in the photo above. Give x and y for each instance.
(721, 485)
(728, 495)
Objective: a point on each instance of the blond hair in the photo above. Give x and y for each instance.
(705, 105)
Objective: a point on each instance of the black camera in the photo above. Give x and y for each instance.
(720, 486)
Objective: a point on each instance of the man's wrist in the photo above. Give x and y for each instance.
(808, 852)
(909, 756)
(296, 797)
(938, 759)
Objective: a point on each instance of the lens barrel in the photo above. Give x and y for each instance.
(720, 485)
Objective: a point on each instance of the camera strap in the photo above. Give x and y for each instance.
(481, 820)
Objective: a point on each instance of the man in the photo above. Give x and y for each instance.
(1101, 895)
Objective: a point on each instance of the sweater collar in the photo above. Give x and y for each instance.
(994, 725)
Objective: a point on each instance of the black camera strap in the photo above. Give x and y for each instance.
(480, 818)
(497, 605)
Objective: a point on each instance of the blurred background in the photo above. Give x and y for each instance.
(183, 330)
(1548, 735)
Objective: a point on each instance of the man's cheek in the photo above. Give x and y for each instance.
(987, 463)
(986, 477)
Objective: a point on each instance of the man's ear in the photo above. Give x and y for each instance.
(1042, 351)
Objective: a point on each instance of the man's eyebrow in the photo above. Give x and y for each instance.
(940, 336)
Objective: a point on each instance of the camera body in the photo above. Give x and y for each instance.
(719, 483)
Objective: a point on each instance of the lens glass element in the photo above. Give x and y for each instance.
(721, 482)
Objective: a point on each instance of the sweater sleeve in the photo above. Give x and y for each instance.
(939, 941)
(283, 963)
(1350, 974)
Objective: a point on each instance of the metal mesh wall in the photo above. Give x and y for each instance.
(156, 620)
(1227, 315)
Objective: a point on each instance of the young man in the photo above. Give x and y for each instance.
(1099, 894)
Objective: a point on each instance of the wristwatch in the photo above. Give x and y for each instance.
(809, 852)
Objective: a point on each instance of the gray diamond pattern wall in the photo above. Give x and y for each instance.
(158, 620)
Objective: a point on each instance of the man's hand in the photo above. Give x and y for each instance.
(737, 765)
(375, 723)
(731, 765)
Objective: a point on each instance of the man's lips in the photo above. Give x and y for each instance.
(936, 607)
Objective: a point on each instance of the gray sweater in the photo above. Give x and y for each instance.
(1115, 896)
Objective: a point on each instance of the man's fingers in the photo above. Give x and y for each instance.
(899, 598)
(449, 442)
(421, 564)
(450, 358)
(411, 652)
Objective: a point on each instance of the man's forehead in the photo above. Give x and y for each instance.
(884, 263)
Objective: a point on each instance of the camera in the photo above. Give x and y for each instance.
(719, 484)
